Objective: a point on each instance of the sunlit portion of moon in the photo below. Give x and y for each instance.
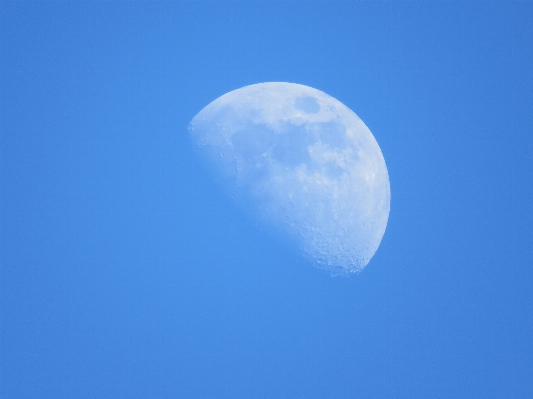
(307, 164)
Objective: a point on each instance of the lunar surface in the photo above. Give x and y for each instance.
(305, 163)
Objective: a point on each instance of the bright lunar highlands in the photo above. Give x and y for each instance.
(306, 163)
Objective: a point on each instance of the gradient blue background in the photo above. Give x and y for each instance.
(126, 272)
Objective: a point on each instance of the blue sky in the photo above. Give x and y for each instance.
(127, 273)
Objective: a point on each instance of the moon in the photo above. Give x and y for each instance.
(305, 163)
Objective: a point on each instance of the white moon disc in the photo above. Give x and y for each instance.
(306, 163)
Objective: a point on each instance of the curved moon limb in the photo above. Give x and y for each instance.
(306, 162)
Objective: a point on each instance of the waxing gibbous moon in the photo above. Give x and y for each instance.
(305, 163)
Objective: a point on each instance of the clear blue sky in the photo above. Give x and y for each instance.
(126, 273)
